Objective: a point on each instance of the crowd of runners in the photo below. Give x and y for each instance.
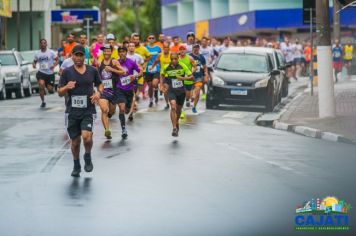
(117, 75)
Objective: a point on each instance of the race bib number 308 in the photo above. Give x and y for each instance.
(79, 101)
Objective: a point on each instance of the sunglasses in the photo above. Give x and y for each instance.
(151, 38)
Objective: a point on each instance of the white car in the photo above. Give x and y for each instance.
(28, 56)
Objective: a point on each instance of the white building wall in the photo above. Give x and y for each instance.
(202, 10)
(185, 13)
(169, 16)
(238, 6)
(219, 8)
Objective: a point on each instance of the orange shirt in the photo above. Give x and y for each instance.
(159, 44)
(175, 48)
(307, 51)
(68, 48)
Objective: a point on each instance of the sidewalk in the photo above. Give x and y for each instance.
(304, 111)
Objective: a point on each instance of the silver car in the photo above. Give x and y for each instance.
(17, 77)
(29, 56)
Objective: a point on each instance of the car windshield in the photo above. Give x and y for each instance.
(243, 62)
(8, 60)
(28, 56)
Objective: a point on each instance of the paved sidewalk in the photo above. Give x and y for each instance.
(304, 111)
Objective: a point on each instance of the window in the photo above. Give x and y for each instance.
(243, 62)
(8, 60)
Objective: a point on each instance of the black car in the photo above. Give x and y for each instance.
(246, 76)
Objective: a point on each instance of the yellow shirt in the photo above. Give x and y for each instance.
(164, 61)
(348, 52)
(143, 52)
(114, 55)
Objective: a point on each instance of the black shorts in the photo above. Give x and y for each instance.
(178, 96)
(75, 125)
(347, 60)
(110, 97)
(124, 97)
(48, 79)
(150, 76)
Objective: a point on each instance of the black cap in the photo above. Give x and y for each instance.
(106, 46)
(78, 49)
(196, 45)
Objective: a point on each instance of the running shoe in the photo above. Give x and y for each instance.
(151, 104)
(130, 117)
(166, 107)
(156, 95)
(203, 96)
(88, 166)
(187, 103)
(194, 110)
(124, 134)
(182, 115)
(175, 132)
(108, 134)
(43, 105)
(76, 172)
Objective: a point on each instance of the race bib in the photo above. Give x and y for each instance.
(198, 69)
(107, 83)
(177, 83)
(44, 66)
(337, 54)
(154, 69)
(125, 80)
(79, 101)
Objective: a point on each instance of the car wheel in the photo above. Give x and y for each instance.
(8, 93)
(270, 98)
(20, 91)
(3, 93)
(285, 89)
(28, 91)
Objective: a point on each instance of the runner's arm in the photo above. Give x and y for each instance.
(194, 65)
(156, 61)
(119, 70)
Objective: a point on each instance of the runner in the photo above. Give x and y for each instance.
(200, 75)
(348, 55)
(60, 52)
(209, 55)
(140, 62)
(152, 73)
(95, 48)
(298, 53)
(337, 59)
(109, 70)
(190, 42)
(175, 73)
(161, 40)
(48, 60)
(188, 61)
(176, 44)
(77, 81)
(69, 45)
(111, 40)
(287, 50)
(83, 42)
(226, 44)
(164, 59)
(125, 86)
(145, 54)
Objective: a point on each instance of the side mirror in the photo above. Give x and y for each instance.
(275, 72)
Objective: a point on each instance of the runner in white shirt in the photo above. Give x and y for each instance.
(48, 60)
(298, 54)
(287, 50)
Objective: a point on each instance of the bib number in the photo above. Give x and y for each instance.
(79, 101)
(125, 80)
(107, 83)
(337, 54)
(177, 83)
(44, 66)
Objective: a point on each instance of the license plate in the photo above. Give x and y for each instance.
(239, 92)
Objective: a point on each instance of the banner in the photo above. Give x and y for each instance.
(5, 8)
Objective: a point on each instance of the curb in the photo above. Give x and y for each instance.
(312, 133)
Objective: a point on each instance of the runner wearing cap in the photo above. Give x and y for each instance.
(109, 70)
(78, 82)
(175, 73)
(125, 86)
(200, 75)
(152, 73)
(188, 61)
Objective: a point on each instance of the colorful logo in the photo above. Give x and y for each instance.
(329, 213)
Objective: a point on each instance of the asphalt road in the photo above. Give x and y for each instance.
(222, 176)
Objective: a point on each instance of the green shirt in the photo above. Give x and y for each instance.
(171, 74)
(188, 64)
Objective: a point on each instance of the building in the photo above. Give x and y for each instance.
(5, 13)
(249, 18)
(41, 24)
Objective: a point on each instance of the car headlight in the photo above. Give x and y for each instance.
(217, 81)
(11, 74)
(262, 83)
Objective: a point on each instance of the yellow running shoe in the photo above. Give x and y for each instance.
(182, 115)
(108, 134)
(203, 96)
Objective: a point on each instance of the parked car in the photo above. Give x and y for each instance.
(17, 77)
(29, 56)
(2, 85)
(246, 76)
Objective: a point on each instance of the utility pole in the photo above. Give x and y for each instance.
(18, 25)
(327, 106)
(31, 31)
(136, 5)
(102, 16)
(336, 23)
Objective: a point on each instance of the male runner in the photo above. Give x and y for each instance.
(109, 71)
(69, 45)
(190, 42)
(175, 73)
(337, 59)
(111, 40)
(152, 73)
(348, 55)
(200, 75)
(188, 61)
(209, 55)
(125, 86)
(78, 82)
(83, 42)
(48, 60)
